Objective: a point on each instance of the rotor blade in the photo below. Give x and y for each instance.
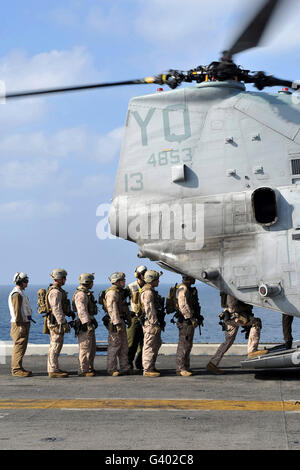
(261, 81)
(24, 94)
(252, 34)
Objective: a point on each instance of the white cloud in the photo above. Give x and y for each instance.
(94, 185)
(198, 30)
(28, 209)
(19, 71)
(27, 175)
(47, 69)
(77, 141)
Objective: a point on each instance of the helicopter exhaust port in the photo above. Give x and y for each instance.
(269, 290)
(264, 204)
(210, 274)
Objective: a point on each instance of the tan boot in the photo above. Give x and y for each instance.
(87, 374)
(114, 373)
(257, 353)
(57, 375)
(214, 369)
(184, 373)
(22, 373)
(151, 373)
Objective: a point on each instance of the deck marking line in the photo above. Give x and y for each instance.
(152, 404)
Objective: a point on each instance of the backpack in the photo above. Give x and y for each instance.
(136, 301)
(171, 300)
(43, 307)
(102, 300)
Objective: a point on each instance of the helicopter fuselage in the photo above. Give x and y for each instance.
(209, 185)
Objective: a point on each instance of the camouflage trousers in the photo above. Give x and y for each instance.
(117, 350)
(56, 344)
(232, 327)
(19, 335)
(185, 344)
(287, 321)
(135, 338)
(87, 351)
(152, 343)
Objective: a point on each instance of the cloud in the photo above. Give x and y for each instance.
(94, 185)
(29, 209)
(77, 141)
(47, 69)
(27, 175)
(55, 68)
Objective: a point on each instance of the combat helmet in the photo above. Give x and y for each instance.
(185, 278)
(58, 274)
(86, 278)
(139, 270)
(20, 277)
(117, 276)
(151, 276)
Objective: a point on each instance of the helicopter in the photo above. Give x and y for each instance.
(208, 176)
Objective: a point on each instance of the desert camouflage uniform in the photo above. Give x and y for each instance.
(287, 321)
(135, 335)
(239, 311)
(117, 340)
(152, 339)
(185, 328)
(54, 297)
(83, 305)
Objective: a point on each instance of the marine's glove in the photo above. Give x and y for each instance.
(90, 327)
(64, 328)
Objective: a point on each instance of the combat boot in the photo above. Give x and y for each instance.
(114, 373)
(87, 374)
(57, 375)
(151, 373)
(22, 373)
(257, 353)
(214, 369)
(184, 373)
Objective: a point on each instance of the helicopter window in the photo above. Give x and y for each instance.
(295, 166)
(264, 206)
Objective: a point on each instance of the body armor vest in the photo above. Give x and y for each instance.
(192, 299)
(92, 304)
(66, 306)
(122, 304)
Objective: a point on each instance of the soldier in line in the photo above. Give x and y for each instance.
(20, 312)
(151, 327)
(236, 314)
(116, 307)
(188, 317)
(135, 335)
(86, 307)
(58, 308)
(287, 321)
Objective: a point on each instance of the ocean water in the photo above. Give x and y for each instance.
(210, 309)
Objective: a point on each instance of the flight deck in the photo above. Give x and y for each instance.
(244, 408)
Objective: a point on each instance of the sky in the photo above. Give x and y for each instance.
(59, 154)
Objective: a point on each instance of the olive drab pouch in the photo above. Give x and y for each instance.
(136, 301)
(102, 300)
(46, 330)
(42, 307)
(171, 300)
